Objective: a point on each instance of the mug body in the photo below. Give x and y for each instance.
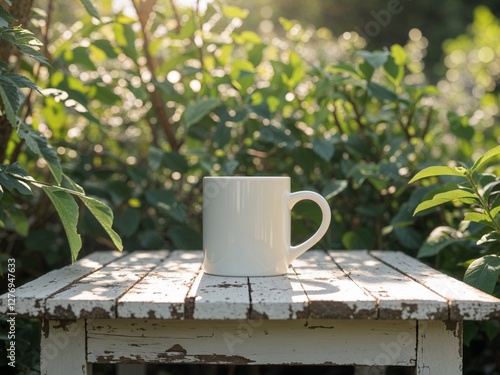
(246, 225)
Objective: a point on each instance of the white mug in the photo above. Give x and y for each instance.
(246, 225)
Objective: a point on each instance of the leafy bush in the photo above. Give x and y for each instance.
(138, 108)
(139, 117)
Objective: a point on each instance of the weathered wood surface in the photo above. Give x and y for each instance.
(330, 291)
(319, 285)
(30, 298)
(439, 348)
(399, 297)
(466, 302)
(63, 348)
(95, 295)
(162, 293)
(293, 342)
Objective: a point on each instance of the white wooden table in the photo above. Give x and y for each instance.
(334, 307)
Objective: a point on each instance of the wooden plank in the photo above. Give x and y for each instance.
(439, 348)
(161, 294)
(399, 297)
(332, 294)
(291, 342)
(218, 297)
(62, 348)
(278, 297)
(30, 297)
(465, 301)
(95, 295)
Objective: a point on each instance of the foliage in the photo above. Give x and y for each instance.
(16, 180)
(470, 83)
(193, 95)
(480, 191)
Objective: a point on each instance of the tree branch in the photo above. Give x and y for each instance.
(143, 9)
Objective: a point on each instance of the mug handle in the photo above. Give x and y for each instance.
(293, 199)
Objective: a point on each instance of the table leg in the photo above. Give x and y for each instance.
(62, 350)
(439, 348)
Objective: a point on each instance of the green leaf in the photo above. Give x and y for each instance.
(478, 217)
(21, 81)
(6, 15)
(408, 237)
(323, 148)
(155, 157)
(40, 146)
(485, 158)
(12, 177)
(67, 210)
(334, 188)
(234, 12)
(175, 162)
(25, 41)
(483, 273)
(381, 92)
(222, 134)
(459, 125)
(375, 59)
(359, 239)
(367, 70)
(104, 216)
(445, 197)
(127, 221)
(195, 112)
(9, 93)
(277, 136)
(185, 238)
(91, 9)
(18, 219)
(399, 55)
(438, 171)
(439, 239)
(166, 203)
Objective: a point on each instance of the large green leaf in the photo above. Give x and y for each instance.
(91, 9)
(6, 16)
(485, 158)
(14, 177)
(104, 216)
(323, 148)
(483, 273)
(445, 197)
(195, 112)
(375, 59)
(67, 210)
(479, 217)
(166, 203)
(334, 188)
(184, 237)
(40, 146)
(438, 170)
(25, 41)
(9, 94)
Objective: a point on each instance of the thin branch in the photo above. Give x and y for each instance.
(176, 15)
(336, 118)
(427, 122)
(160, 109)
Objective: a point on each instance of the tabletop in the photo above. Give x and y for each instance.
(171, 285)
